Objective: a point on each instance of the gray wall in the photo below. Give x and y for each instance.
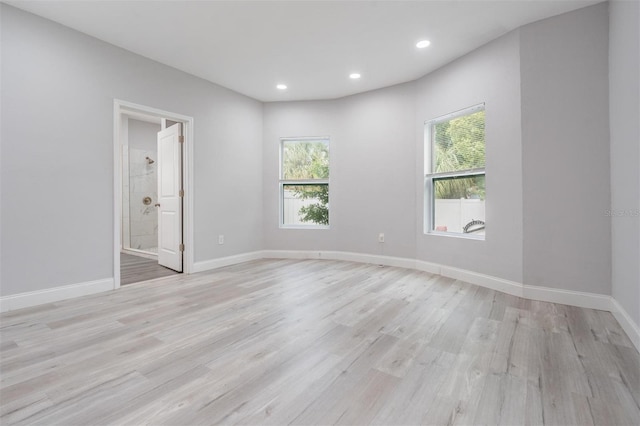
(548, 179)
(565, 151)
(143, 135)
(490, 74)
(545, 90)
(296, 119)
(377, 172)
(372, 181)
(377, 164)
(58, 88)
(624, 98)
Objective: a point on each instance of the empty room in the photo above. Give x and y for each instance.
(320, 212)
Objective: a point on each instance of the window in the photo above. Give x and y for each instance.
(454, 173)
(304, 183)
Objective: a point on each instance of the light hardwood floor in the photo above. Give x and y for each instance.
(314, 342)
(134, 269)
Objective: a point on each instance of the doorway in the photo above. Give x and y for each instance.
(152, 170)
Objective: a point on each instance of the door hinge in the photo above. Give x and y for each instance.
(181, 193)
(181, 247)
(181, 139)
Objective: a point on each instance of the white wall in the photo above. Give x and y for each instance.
(565, 151)
(624, 113)
(58, 88)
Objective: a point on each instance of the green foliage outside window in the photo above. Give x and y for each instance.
(459, 144)
(304, 160)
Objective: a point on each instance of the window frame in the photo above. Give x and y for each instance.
(285, 182)
(431, 177)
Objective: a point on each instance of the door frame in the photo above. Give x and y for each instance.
(123, 108)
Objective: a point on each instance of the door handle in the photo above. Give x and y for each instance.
(157, 204)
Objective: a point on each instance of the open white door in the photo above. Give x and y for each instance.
(170, 193)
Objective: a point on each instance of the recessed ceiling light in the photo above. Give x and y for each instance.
(354, 75)
(281, 87)
(422, 44)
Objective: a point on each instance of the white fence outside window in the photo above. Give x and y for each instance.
(455, 214)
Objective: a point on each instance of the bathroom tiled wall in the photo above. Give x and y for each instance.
(143, 219)
(139, 180)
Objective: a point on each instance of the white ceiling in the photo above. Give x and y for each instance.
(311, 46)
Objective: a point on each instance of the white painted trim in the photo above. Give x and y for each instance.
(340, 255)
(120, 108)
(117, 192)
(568, 297)
(627, 324)
(400, 262)
(292, 254)
(494, 283)
(432, 268)
(39, 297)
(188, 209)
(282, 182)
(208, 265)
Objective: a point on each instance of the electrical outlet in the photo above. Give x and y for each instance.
(220, 239)
(381, 237)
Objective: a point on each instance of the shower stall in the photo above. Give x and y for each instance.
(140, 188)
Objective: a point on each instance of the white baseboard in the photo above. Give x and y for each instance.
(293, 254)
(432, 268)
(374, 259)
(494, 283)
(208, 265)
(340, 255)
(39, 297)
(545, 294)
(627, 324)
(568, 297)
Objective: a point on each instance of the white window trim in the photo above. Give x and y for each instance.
(429, 177)
(283, 182)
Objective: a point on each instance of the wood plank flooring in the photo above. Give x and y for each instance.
(277, 342)
(134, 269)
